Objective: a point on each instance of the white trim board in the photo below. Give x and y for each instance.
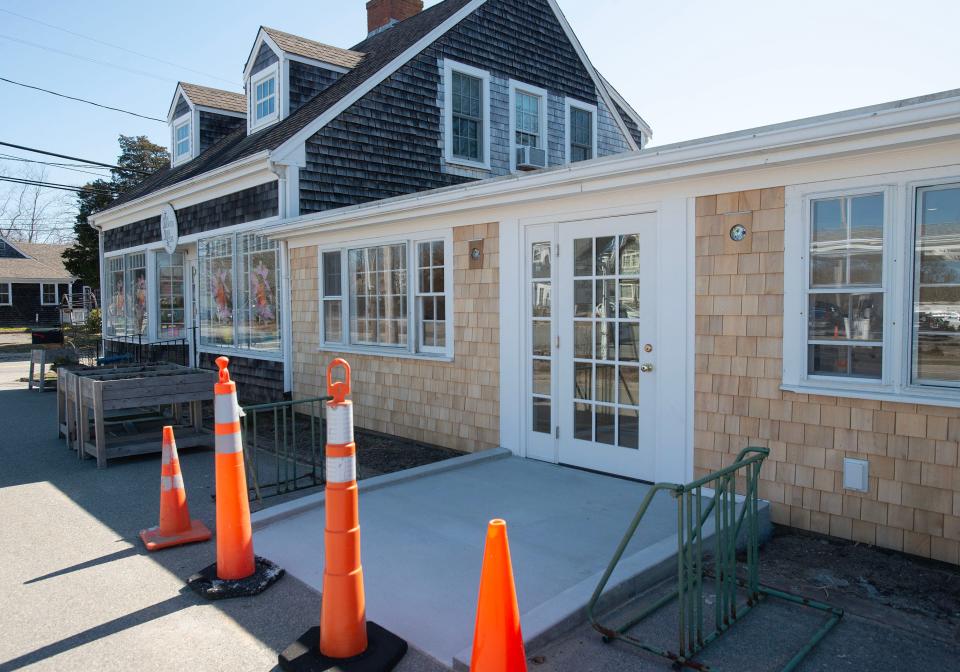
(569, 103)
(448, 70)
(523, 87)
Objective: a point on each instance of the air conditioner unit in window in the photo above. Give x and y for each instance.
(531, 158)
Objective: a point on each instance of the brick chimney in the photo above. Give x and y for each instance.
(383, 14)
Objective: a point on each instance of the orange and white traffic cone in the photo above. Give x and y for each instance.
(497, 639)
(175, 526)
(237, 572)
(345, 640)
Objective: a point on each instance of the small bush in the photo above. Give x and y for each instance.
(94, 321)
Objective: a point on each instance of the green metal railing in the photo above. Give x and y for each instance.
(704, 507)
(284, 444)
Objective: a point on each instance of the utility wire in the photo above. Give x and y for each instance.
(52, 185)
(58, 166)
(88, 102)
(116, 46)
(55, 164)
(85, 58)
(73, 158)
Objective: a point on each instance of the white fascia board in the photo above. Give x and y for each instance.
(262, 37)
(316, 63)
(859, 131)
(217, 110)
(173, 103)
(628, 108)
(295, 141)
(33, 281)
(196, 189)
(594, 75)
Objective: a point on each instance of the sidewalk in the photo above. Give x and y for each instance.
(79, 590)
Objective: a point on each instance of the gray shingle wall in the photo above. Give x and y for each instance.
(306, 81)
(265, 58)
(557, 129)
(258, 380)
(239, 207)
(26, 309)
(214, 127)
(610, 139)
(7, 252)
(181, 108)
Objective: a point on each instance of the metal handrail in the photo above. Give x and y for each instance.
(693, 516)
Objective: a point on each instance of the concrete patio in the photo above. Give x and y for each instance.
(423, 538)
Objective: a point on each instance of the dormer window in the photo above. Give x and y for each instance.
(264, 97)
(181, 133)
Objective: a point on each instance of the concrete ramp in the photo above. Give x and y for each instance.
(423, 533)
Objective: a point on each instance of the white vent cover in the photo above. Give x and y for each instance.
(856, 474)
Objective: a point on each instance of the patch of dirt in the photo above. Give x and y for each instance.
(386, 454)
(865, 580)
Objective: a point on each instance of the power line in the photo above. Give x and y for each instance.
(88, 102)
(116, 46)
(59, 166)
(74, 158)
(50, 163)
(85, 58)
(53, 185)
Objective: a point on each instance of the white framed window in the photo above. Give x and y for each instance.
(581, 131)
(48, 294)
(182, 139)
(6, 294)
(466, 115)
(388, 296)
(263, 92)
(126, 296)
(528, 119)
(872, 288)
(238, 289)
(171, 309)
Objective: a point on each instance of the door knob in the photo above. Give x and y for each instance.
(646, 368)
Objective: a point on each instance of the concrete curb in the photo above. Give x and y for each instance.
(295, 507)
(636, 573)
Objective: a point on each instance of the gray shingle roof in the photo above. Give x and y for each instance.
(301, 46)
(45, 262)
(218, 99)
(380, 49)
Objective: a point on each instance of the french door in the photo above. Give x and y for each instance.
(591, 308)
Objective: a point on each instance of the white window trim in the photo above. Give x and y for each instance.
(449, 67)
(9, 301)
(254, 124)
(544, 103)
(179, 122)
(56, 294)
(896, 384)
(594, 114)
(412, 349)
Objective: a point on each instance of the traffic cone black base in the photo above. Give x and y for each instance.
(208, 585)
(384, 651)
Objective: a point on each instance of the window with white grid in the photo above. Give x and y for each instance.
(431, 297)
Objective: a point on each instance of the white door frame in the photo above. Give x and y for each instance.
(675, 327)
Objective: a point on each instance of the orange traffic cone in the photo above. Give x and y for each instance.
(345, 640)
(175, 526)
(237, 571)
(497, 640)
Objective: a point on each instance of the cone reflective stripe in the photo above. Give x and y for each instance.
(343, 618)
(235, 558)
(175, 525)
(497, 639)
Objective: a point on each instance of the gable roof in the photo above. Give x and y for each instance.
(379, 50)
(301, 46)
(218, 99)
(43, 262)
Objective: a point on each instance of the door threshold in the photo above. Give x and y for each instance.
(605, 473)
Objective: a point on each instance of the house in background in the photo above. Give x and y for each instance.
(33, 282)
(466, 90)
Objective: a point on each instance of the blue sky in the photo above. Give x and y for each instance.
(690, 67)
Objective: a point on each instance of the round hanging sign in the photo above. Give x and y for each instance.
(168, 228)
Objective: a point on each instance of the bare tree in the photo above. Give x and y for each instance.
(31, 213)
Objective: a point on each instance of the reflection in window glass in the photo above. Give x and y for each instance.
(258, 324)
(136, 291)
(116, 318)
(845, 303)
(581, 134)
(936, 311)
(527, 119)
(432, 301)
(216, 291)
(170, 295)
(378, 295)
(332, 298)
(467, 117)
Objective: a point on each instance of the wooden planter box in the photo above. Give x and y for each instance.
(127, 398)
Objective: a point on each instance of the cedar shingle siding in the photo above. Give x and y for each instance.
(215, 127)
(26, 310)
(265, 58)
(258, 381)
(248, 205)
(182, 108)
(399, 121)
(306, 81)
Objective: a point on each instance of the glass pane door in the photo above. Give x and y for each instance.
(541, 343)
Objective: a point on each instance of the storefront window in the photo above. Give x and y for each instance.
(257, 325)
(136, 292)
(170, 295)
(116, 317)
(239, 293)
(216, 291)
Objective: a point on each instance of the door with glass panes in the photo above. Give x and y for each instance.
(591, 307)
